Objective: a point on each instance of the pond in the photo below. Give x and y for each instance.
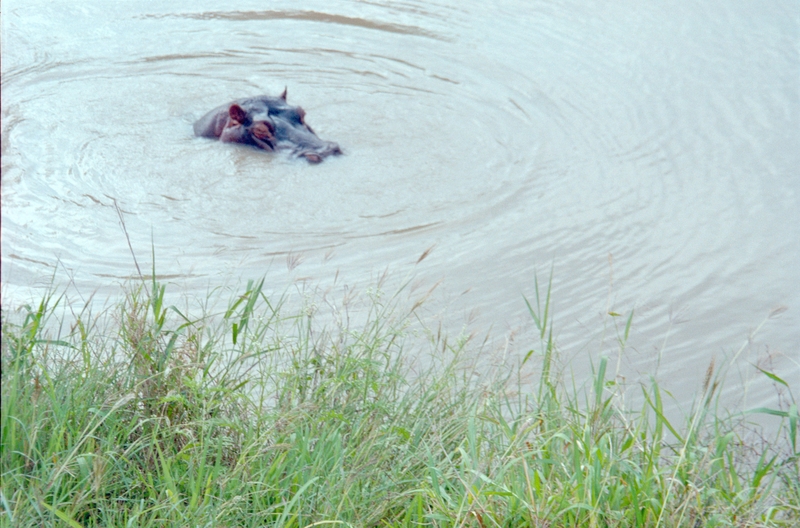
(647, 153)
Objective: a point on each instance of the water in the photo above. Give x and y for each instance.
(649, 154)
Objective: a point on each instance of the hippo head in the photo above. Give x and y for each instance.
(268, 123)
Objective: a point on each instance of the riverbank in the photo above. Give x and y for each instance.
(265, 415)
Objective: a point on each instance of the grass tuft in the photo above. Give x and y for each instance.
(264, 416)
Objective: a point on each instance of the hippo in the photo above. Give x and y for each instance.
(268, 123)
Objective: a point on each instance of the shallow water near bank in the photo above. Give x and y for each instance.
(648, 154)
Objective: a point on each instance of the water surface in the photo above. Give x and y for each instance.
(648, 153)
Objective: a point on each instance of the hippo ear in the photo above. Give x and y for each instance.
(237, 113)
(283, 95)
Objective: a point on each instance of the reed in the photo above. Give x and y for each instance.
(261, 415)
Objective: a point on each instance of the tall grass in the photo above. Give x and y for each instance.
(264, 416)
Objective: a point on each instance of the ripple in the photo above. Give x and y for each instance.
(308, 16)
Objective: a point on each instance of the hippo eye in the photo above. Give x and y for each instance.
(263, 130)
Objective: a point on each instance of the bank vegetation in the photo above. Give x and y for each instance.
(326, 415)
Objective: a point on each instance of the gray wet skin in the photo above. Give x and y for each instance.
(268, 123)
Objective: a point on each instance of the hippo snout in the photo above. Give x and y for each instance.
(316, 156)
